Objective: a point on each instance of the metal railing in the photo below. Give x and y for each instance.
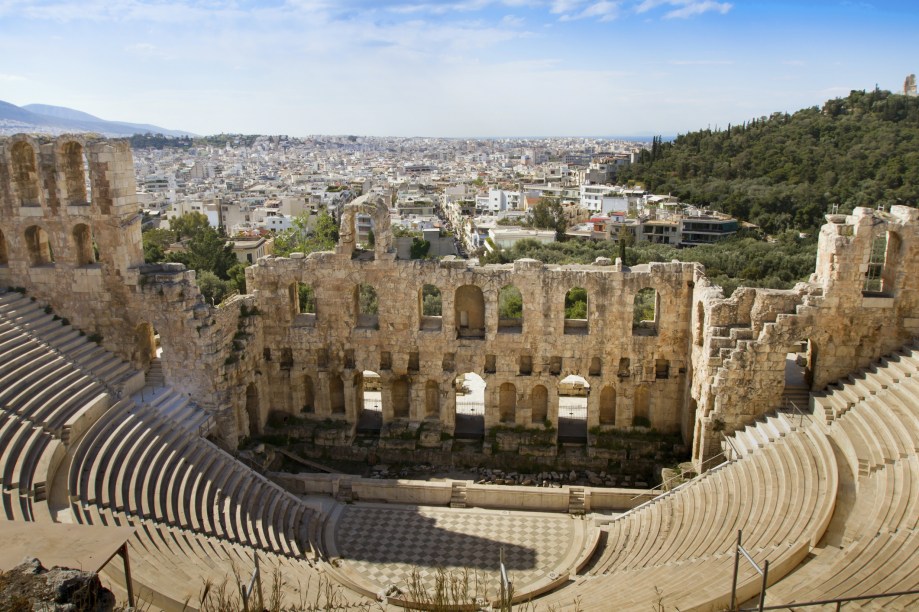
(825, 602)
(669, 480)
(762, 571)
(802, 416)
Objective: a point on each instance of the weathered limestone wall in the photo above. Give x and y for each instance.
(740, 342)
(335, 345)
(70, 244)
(708, 364)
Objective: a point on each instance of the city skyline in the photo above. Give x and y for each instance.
(499, 68)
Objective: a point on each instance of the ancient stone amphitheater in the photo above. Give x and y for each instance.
(97, 429)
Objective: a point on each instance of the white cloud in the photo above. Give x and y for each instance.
(603, 11)
(512, 20)
(11, 78)
(682, 9)
(690, 9)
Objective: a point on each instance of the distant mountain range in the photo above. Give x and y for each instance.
(47, 119)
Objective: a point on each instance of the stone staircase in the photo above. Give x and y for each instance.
(57, 335)
(576, 501)
(458, 494)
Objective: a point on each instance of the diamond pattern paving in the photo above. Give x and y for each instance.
(384, 544)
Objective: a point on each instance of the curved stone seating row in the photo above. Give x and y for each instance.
(171, 566)
(755, 494)
(29, 458)
(30, 319)
(135, 461)
(874, 548)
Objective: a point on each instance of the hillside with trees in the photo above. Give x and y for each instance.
(786, 171)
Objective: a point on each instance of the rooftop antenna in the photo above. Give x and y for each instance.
(835, 209)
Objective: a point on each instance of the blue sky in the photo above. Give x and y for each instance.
(455, 68)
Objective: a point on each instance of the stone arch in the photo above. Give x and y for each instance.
(25, 173)
(75, 173)
(375, 206)
(336, 395)
(400, 390)
(4, 250)
(507, 403)
(608, 405)
(38, 246)
(309, 395)
(645, 312)
(539, 404)
(641, 407)
(430, 308)
(577, 309)
(253, 410)
(431, 400)
(510, 310)
(83, 245)
(700, 324)
(144, 344)
(469, 312)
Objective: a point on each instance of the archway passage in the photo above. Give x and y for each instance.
(799, 374)
(470, 406)
(252, 409)
(144, 345)
(370, 403)
(572, 409)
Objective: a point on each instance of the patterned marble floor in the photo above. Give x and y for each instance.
(384, 543)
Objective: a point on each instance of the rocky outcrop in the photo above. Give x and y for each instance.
(30, 586)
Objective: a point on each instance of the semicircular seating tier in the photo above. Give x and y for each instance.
(200, 515)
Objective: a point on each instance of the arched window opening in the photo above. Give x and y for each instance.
(880, 275)
(336, 395)
(305, 299)
(4, 252)
(430, 307)
(700, 324)
(366, 307)
(539, 405)
(642, 407)
(645, 312)
(431, 400)
(507, 403)
(510, 310)
(83, 245)
(25, 174)
(608, 405)
(76, 175)
(576, 311)
(309, 396)
(469, 309)
(400, 398)
(470, 406)
(252, 409)
(39, 247)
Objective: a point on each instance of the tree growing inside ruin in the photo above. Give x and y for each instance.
(307, 234)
